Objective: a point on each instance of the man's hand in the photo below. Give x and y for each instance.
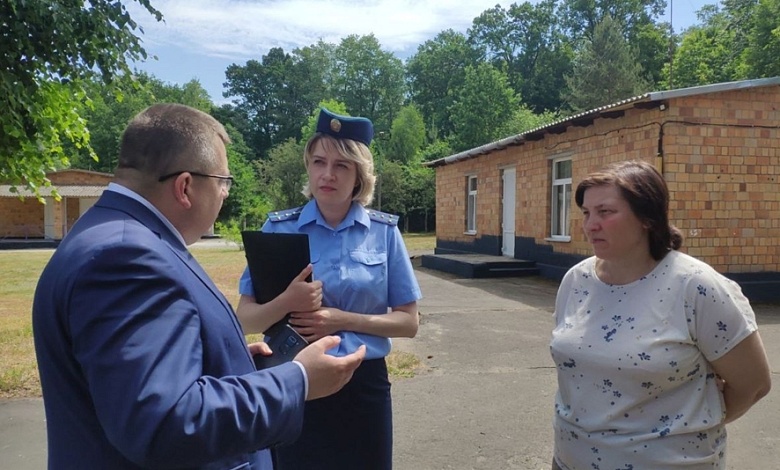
(328, 374)
(259, 348)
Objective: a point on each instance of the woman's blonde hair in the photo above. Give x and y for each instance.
(353, 151)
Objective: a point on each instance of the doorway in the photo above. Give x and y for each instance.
(509, 185)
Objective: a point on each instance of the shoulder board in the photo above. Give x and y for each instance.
(383, 217)
(286, 214)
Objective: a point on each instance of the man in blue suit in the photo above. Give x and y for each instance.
(142, 361)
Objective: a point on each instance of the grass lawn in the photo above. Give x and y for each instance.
(19, 272)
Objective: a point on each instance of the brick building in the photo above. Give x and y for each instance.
(718, 146)
(29, 219)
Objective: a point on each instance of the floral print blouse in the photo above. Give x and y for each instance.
(635, 386)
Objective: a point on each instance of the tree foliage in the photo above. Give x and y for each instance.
(763, 47)
(70, 94)
(482, 107)
(282, 175)
(407, 136)
(368, 80)
(605, 70)
(48, 52)
(437, 69)
(526, 42)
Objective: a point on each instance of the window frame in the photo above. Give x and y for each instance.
(471, 205)
(560, 204)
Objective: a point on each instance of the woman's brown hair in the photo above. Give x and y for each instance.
(645, 190)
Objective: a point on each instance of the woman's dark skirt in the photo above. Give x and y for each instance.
(350, 430)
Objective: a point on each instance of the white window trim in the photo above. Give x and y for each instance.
(554, 184)
(471, 199)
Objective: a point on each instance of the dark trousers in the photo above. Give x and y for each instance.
(350, 430)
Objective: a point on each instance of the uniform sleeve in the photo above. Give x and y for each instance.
(245, 283)
(720, 314)
(137, 333)
(403, 287)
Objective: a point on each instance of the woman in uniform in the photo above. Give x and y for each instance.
(364, 290)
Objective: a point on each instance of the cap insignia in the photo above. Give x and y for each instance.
(335, 125)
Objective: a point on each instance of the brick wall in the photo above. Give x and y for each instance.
(720, 154)
(25, 218)
(21, 219)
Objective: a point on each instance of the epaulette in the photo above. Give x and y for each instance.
(286, 214)
(385, 218)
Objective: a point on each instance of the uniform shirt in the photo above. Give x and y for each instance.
(363, 265)
(635, 385)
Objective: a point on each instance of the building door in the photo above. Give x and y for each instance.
(508, 213)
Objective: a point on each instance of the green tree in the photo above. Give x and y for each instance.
(261, 91)
(191, 93)
(526, 42)
(650, 44)
(248, 202)
(49, 50)
(705, 54)
(605, 70)
(523, 120)
(482, 107)
(763, 50)
(636, 19)
(420, 191)
(282, 175)
(435, 150)
(581, 17)
(369, 81)
(391, 195)
(113, 108)
(434, 71)
(407, 136)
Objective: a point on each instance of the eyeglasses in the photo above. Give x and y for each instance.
(227, 181)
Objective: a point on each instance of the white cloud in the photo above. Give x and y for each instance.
(243, 29)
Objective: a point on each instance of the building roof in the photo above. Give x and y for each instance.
(63, 190)
(646, 100)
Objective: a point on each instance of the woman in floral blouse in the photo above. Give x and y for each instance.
(655, 350)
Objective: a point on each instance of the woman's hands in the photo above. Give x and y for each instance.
(401, 321)
(317, 323)
(302, 295)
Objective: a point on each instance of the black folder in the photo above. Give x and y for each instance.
(274, 259)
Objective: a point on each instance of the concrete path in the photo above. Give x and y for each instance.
(483, 398)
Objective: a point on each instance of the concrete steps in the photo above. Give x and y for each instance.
(480, 266)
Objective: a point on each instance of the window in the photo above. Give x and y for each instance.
(471, 205)
(561, 199)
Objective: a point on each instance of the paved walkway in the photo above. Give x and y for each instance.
(483, 399)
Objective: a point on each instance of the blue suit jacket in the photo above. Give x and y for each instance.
(143, 363)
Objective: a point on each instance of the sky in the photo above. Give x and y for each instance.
(199, 39)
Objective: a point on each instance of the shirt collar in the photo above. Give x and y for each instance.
(357, 214)
(123, 190)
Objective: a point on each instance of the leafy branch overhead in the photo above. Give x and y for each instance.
(48, 50)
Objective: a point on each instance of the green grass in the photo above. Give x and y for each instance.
(19, 273)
